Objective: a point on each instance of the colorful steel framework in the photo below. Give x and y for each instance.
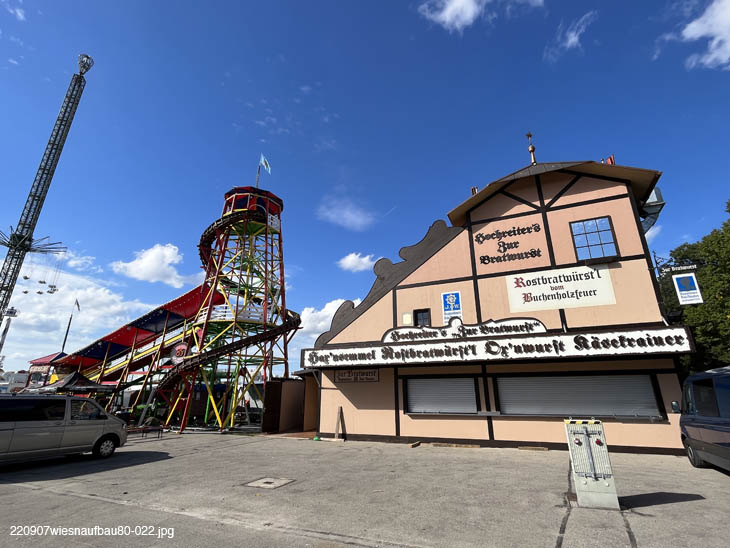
(218, 339)
(247, 336)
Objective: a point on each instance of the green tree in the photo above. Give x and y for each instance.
(710, 321)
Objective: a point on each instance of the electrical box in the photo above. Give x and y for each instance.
(591, 467)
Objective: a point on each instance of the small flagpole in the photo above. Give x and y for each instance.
(68, 328)
(258, 174)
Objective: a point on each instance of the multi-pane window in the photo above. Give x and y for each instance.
(593, 238)
(422, 317)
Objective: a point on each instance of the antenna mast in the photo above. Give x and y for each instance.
(20, 241)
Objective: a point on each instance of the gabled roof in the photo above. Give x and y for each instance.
(389, 275)
(642, 181)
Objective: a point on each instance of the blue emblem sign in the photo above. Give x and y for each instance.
(451, 304)
(688, 292)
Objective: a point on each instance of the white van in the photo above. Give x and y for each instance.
(33, 426)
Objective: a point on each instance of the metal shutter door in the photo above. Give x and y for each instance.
(442, 395)
(600, 395)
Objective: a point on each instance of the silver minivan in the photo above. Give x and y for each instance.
(39, 426)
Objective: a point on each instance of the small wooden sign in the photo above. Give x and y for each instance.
(357, 375)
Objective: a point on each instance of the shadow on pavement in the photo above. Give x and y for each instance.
(75, 465)
(655, 499)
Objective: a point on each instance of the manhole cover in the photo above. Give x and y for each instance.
(269, 483)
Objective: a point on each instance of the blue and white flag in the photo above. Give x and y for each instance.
(264, 162)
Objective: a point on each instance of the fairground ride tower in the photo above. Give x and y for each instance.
(235, 344)
(20, 241)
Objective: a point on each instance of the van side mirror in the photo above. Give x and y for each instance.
(675, 407)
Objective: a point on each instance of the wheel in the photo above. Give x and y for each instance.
(694, 459)
(104, 448)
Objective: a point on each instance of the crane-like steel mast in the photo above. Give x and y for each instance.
(20, 241)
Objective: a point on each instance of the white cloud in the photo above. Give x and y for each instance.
(456, 15)
(81, 263)
(453, 15)
(676, 9)
(18, 12)
(567, 38)
(659, 44)
(714, 25)
(155, 264)
(345, 213)
(355, 262)
(314, 323)
(305, 89)
(268, 120)
(653, 233)
(42, 319)
(683, 7)
(324, 145)
(12, 61)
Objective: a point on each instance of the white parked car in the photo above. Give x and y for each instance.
(40, 426)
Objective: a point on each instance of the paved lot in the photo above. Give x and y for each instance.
(354, 493)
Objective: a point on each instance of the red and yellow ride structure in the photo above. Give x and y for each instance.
(223, 340)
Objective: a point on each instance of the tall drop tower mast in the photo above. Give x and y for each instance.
(20, 241)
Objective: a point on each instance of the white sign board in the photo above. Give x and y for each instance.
(457, 330)
(664, 340)
(560, 288)
(688, 292)
(178, 353)
(451, 305)
(274, 222)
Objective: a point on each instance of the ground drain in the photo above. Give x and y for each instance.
(269, 483)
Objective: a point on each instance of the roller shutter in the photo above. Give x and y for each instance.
(600, 395)
(441, 395)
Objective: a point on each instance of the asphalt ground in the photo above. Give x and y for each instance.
(191, 490)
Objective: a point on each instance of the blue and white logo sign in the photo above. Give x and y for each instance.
(688, 292)
(451, 304)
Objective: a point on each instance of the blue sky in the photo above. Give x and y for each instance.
(377, 118)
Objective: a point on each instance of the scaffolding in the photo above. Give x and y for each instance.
(218, 359)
